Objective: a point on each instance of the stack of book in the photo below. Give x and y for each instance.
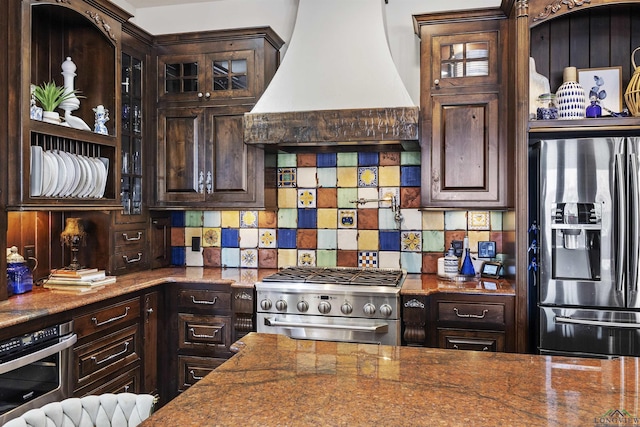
(78, 281)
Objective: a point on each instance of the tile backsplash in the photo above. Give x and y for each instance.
(335, 209)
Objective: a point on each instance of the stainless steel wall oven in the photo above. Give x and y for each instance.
(35, 369)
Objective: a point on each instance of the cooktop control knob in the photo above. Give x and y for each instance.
(281, 305)
(265, 304)
(303, 306)
(369, 309)
(386, 310)
(324, 307)
(346, 308)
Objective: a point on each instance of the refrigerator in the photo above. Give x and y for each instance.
(588, 246)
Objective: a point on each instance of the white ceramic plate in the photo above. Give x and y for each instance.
(88, 183)
(105, 172)
(71, 174)
(97, 166)
(53, 173)
(79, 172)
(35, 179)
(62, 174)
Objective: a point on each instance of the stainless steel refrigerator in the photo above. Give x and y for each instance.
(588, 225)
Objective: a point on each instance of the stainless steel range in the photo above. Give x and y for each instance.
(332, 304)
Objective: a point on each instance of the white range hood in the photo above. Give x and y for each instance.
(337, 84)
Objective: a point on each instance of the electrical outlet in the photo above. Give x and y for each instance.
(29, 252)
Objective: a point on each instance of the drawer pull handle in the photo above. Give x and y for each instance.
(131, 239)
(193, 375)
(125, 388)
(244, 296)
(474, 316)
(132, 260)
(113, 319)
(195, 301)
(113, 356)
(194, 335)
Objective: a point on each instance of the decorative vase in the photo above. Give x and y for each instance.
(570, 97)
(632, 94)
(51, 117)
(538, 85)
(102, 116)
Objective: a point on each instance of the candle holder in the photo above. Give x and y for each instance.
(72, 236)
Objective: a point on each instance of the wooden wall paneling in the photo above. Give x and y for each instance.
(620, 46)
(599, 52)
(558, 52)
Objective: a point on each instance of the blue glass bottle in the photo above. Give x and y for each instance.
(594, 110)
(467, 265)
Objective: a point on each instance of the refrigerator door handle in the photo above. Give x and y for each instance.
(620, 208)
(565, 319)
(633, 191)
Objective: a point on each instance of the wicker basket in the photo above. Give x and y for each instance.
(632, 94)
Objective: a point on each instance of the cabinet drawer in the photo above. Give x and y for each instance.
(204, 299)
(474, 315)
(130, 239)
(471, 340)
(118, 314)
(191, 369)
(105, 355)
(203, 332)
(130, 259)
(129, 382)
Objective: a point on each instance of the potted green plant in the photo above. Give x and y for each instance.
(50, 96)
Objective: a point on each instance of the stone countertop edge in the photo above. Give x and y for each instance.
(43, 302)
(274, 380)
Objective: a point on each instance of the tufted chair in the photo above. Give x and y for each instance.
(105, 410)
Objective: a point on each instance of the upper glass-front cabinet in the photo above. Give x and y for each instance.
(466, 59)
(205, 77)
(132, 116)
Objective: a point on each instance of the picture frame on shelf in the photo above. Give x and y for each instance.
(606, 80)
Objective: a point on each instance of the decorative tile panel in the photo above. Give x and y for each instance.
(306, 178)
(193, 218)
(230, 219)
(327, 160)
(368, 159)
(211, 219)
(478, 220)
(326, 258)
(230, 257)
(267, 238)
(386, 195)
(411, 241)
(389, 240)
(306, 258)
(211, 237)
(286, 238)
(327, 218)
(307, 218)
(368, 240)
(455, 220)
(387, 259)
(287, 177)
(248, 219)
(389, 176)
(368, 259)
(368, 176)
(249, 258)
(347, 218)
(410, 176)
(306, 197)
(287, 218)
(327, 177)
(347, 177)
(287, 257)
(230, 238)
(328, 239)
(348, 239)
(347, 159)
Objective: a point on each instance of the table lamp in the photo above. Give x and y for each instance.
(72, 235)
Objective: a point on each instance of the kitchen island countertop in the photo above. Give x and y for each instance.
(275, 380)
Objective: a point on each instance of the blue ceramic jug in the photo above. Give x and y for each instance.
(20, 279)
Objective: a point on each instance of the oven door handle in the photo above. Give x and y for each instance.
(63, 344)
(375, 328)
(564, 319)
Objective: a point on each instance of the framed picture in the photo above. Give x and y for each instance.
(606, 84)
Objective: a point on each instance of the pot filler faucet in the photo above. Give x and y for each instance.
(395, 206)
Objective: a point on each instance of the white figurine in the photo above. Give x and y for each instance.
(102, 116)
(72, 103)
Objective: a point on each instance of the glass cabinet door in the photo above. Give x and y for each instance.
(132, 114)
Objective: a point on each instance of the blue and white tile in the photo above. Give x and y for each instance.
(249, 258)
(368, 259)
(287, 177)
(368, 176)
(348, 218)
(248, 219)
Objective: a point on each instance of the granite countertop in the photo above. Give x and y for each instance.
(43, 302)
(426, 284)
(275, 380)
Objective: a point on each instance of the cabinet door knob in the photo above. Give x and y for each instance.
(436, 82)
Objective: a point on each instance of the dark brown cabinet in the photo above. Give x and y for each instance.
(460, 321)
(202, 96)
(201, 335)
(465, 153)
(117, 348)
